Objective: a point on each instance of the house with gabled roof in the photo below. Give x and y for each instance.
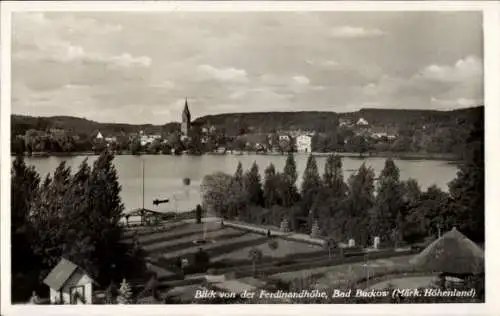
(69, 284)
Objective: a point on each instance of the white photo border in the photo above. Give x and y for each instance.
(491, 23)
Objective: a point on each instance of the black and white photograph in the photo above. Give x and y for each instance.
(246, 157)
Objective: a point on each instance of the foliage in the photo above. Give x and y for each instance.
(354, 216)
(201, 260)
(24, 191)
(215, 189)
(288, 190)
(311, 185)
(73, 216)
(253, 186)
(467, 189)
(198, 213)
(271, 187)
(387, 216)
(124, 293)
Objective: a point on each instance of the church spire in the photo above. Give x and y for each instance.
(186, 114)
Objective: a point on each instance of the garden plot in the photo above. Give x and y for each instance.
(284, 249)
(348, 274)
(173, 242)
(175, 232)
(216, 246)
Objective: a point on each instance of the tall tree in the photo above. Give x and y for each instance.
(467, 189)
(333, 177)
(105, 213)
(353, 220)
(25, 267)
(331, 197)
(47, 214)
(215, 188)
(78, 246)
(237, 197)
(253, 186)
(288, 188)
(271, 193)
(311, 185)
(388, 215)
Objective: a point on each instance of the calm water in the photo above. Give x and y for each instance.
(164, 174)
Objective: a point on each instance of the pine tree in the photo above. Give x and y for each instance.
(271, 194)
(287, 182)
(124, 293)
(24, 191)
(253, 186)
(47, 217)
(333, 177)
(467, 189)
(105, 213)
(387, 214)
(353, 219)
(311, 184)
(290, 170)
(237, 197)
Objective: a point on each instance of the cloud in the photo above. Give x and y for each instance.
(301, 80)
(463, 102)
(354, 32)
(469, 68)
(224, 74)
(442, 86)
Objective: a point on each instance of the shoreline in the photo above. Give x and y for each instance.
(401, 156)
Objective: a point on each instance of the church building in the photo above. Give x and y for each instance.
(186, 121)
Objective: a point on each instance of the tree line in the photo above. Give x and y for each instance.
(71, 215)
(364, 206)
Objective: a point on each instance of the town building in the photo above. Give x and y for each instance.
(110, 139)
(99, 136)
(186, 121)
(303, 143)
(69, 284)
(362, 122)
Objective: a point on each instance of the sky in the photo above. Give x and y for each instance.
(139, 67)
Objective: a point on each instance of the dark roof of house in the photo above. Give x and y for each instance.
(142, 211)
(60, 274)
(452, 253)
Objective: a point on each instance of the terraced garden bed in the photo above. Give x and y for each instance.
(219, 246)
(174, 244)
(284, 248)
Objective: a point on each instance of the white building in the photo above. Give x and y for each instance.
(148, 139)
(284, 137)
(111, 139)
(99, 136)
(303, 143)
(362, 122)
(69, 284)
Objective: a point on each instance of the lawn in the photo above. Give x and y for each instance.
(185, 229)
(217, 235)
(347, 274)
(285, 248)
(249, 237)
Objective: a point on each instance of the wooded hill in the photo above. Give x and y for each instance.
(237, 123)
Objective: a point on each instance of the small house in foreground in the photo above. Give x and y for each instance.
(69, 284)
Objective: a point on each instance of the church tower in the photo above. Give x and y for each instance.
(186, 120)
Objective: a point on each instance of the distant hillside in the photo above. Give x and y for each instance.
(408, 118)
(271, 121)
(238, 123)
(81, 126)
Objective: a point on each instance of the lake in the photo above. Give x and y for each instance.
(164, 174)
